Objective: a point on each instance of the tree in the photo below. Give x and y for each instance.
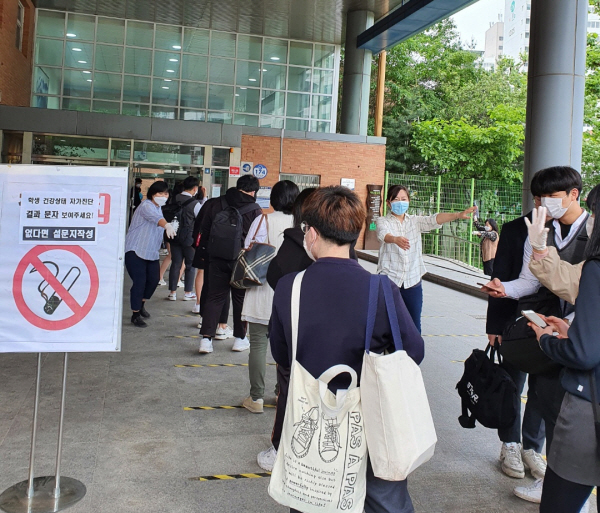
(590, 162)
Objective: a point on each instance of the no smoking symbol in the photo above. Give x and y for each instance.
(61, 293)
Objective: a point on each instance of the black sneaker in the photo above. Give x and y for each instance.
(144, 313)
(138, 321)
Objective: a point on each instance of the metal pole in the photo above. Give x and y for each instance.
(34, 428)
(471, 222)
(385, 191)
(438, 204)
(60, 427)
(380, 94)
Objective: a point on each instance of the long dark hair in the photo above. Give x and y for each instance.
(592, 249)
(493, 224)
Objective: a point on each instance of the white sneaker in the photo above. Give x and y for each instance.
(531, 493)
(252, 405)
(510, 458)
(196, 309)
(162, 283)
(172, 297)
(241, 344)
(266, 459)
(535, 462)
(224, 333)
(180, 284)
(205, 346)
(189, 296)
(200, 324)
(163, 252)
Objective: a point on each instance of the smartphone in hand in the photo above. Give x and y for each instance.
(531, 316)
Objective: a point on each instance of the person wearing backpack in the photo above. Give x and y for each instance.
(182, 245)
(224, 228)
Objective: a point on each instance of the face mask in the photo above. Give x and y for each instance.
(488, 228)
(589, 226)
(554, 206)
(399, 207)
(160, 200)
(309, 251)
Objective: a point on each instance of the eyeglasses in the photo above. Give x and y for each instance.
(304, 227)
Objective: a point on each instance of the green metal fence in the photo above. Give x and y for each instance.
(432, 194)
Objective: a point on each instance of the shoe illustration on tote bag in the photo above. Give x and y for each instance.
(321, 463)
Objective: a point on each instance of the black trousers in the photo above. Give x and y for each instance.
(488, 267)
(178, 255)
(562, 496)
(145, 275)
(219, 275)
(550, 394)
(283, 384)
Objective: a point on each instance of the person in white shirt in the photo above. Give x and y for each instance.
(400, 254)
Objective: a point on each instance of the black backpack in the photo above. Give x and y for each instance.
(487, 391)
(174, 210)
(227, 231)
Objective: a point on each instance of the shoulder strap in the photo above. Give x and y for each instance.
(258, 227)
(295, 311)
(185, 203)
(392, 315)
(372, 309)
(224, 203)
(249, 208)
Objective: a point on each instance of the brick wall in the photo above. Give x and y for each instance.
(331, 160)
(15, 64)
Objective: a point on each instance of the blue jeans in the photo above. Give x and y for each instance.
(413, 299)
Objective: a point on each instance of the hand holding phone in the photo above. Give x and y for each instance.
(531, 316)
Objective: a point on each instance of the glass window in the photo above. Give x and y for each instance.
(298, 105)
(61, 145)
(76, 104)
(140, 34)
(195, 41)
(164, 112)
(19, 27)
(110, 30)
(222, 44)
(324, 56)
(248, 73)
(138, 62)
(46, 102)
(273, 76)
(301, 53)
(105, 107)
(46, 80)
(131, 109)
(192, 115)
(48, 51)
(272, 103)
(219, 117)
(220, 97)
(109, 58)
(107, 86)
(320, 126)
(221, 157)
(77, 83)
(222, 71)
(193, 94)
(165, 93)
(51, 24)
(322, 81)
(166, 64)
(321, 107)
(81, 27)
(299, 79)
(245, 120)
(300, 125)
(271, 122)
(119, 150)
(79, 55)
(275, 51)
(136, 89)
(167, 37)
(195, 67)
(249, 48)
(247, 100)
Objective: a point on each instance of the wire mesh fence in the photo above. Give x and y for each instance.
(433, 194)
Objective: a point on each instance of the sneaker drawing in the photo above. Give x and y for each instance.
(305, 430)
(329, 440)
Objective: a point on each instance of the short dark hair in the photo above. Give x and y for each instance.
(297, 206)
(493, 224)
(190, 182)
(558, 179)
(336, 213)
(138, 180)
(592, 249)
(283, 196)
(394, 190)
(156, 187)
(535, 186)
(247, 183)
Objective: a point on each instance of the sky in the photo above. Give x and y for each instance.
(473, 21)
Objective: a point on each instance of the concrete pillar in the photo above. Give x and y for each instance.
(27, 148)
(357, 76)
(555, 88)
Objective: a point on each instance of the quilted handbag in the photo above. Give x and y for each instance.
(250, 268)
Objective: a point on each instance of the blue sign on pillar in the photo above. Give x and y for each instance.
(260, 171)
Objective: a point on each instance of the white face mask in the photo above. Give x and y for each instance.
(488, 228)
(160, 200)
(309, 250)
(589, 226)
(554, 206)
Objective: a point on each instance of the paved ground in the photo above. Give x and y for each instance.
(129, 439)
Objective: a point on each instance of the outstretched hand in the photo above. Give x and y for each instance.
(466, 214)
(538, 233)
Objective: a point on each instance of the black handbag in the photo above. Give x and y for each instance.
(488, 394)
(250, 269)
(519, 345)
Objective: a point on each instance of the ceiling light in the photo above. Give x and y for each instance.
(70, 34)
(176, 47)
(251, 80)
(243, 88)
(76, 49)
(165, 87)
(170, 71)
(265, 70)
(82, 62)
(274, 58)
(168, 80)
(89, 79)
(237, 94)
(173, 60)
(87, 72)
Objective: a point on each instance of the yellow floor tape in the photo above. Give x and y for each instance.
(227, 477)
(192, 408)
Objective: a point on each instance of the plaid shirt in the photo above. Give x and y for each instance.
(401, 266)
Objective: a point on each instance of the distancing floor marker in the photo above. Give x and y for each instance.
(192, 408)
(184, 315)
(452, 335)
(228, 477)
(180, 365)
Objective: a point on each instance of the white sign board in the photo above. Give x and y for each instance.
(348, 182)
(263, 197)
(62, 234)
